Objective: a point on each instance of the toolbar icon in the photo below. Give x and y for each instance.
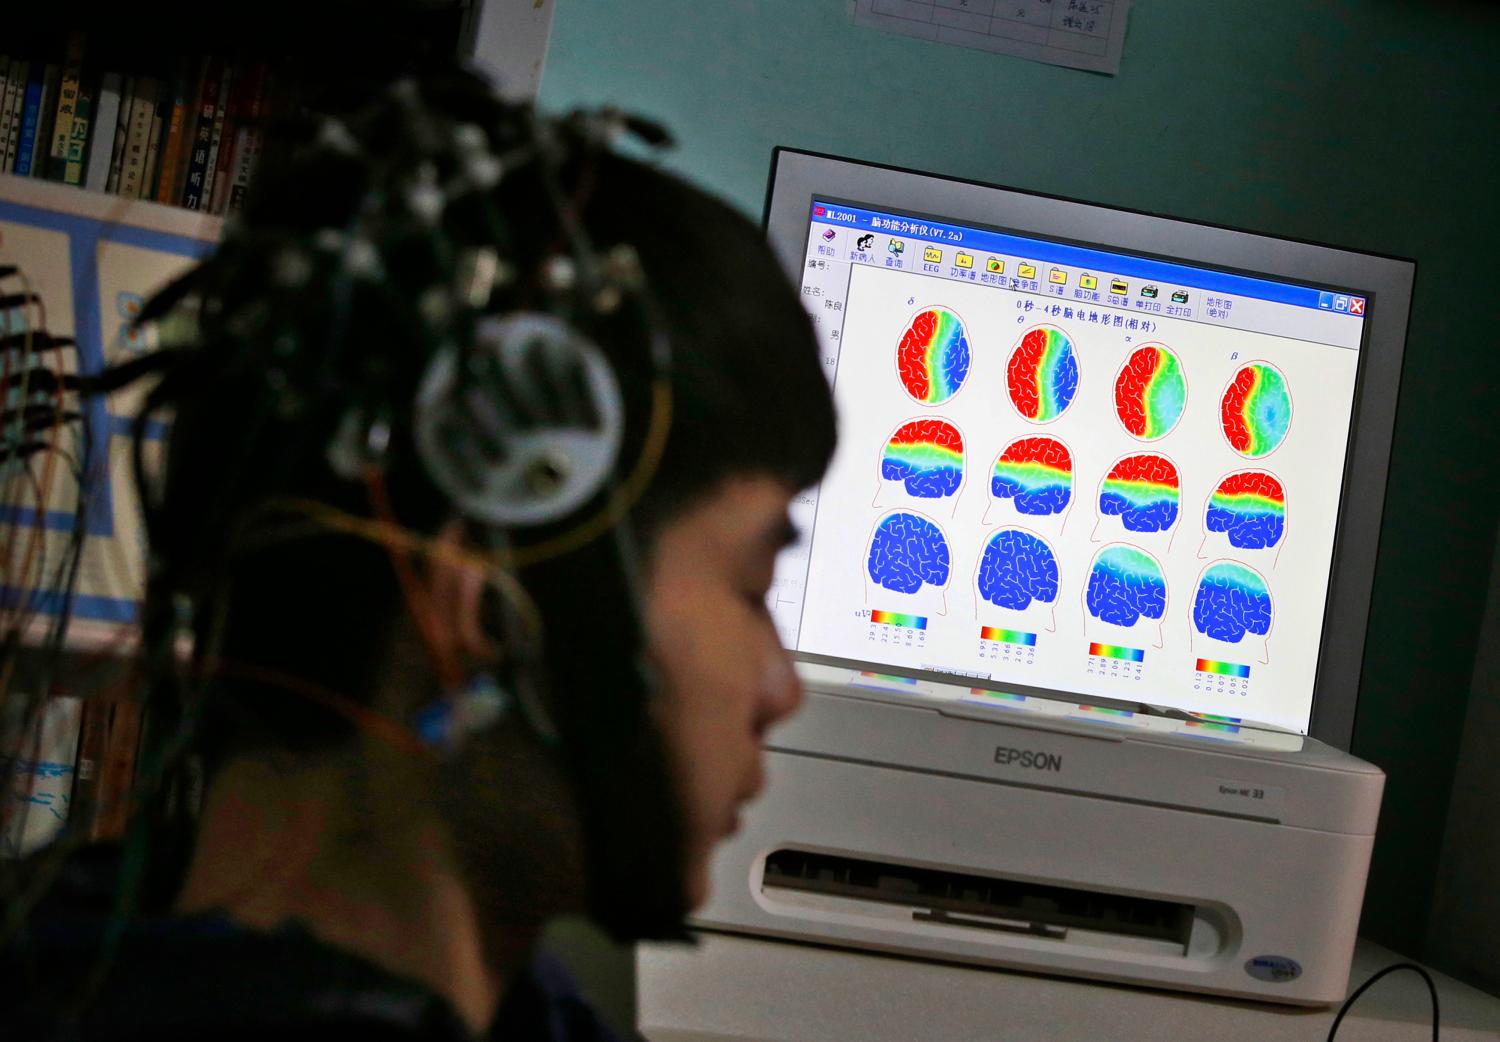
(1027, 271)
(932, 255)
(1087, 281)
(896, 246)
(828, 234)
(865, 242)
(1057, 277)
(963, 260)
(1179, 296)
(995, 266)
(1149, 292)
(1119, 287)
(1356, 305)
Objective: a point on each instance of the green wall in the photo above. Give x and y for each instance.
(1365, 123)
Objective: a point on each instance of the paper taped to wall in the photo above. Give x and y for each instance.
(1079, 34)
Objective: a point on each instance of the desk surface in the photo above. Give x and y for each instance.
(740, 989)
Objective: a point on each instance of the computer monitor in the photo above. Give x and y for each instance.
(1088, 450)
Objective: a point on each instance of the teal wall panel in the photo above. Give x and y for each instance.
(1372, 124)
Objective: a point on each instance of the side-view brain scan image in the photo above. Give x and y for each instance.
(908, 551)
(1231, 601)
(1016, 569)
(933, 357)
(1256, 411)
(1150, 392)
(1250, 509)
(1042, 375)
(1143, 492)
(1126, 585)
(927, 456)
(1035, 474)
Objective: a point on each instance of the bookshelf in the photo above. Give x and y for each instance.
(99, 246)
(168, 105)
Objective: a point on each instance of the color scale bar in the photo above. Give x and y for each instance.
(998, 696)
(1223, 669)
(1105, 710)
(1115, 651)
(889, 679)
(1204, 725)
(1007, 636)
(896, 618)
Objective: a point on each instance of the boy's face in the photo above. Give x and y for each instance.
(725, 677)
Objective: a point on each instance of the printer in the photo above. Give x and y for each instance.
(1015, 830)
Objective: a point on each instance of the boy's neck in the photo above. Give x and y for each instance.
(350, 851)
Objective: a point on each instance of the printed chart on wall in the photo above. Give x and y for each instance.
(1078, 34)
(93, 262)
(1115, 476)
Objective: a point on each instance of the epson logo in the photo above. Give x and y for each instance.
(1027, 758)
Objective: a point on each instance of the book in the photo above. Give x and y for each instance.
(189, 130)
(7, 92)
(247, 139)
(19, 69)
(51, 78)
(122, 134)
(30, 119)
(203, 134)
(153, 141)
(93, 744)
(66, 108)
(142, 111)
(78, 139)
(171, 148)
(221, 113)
(117, 772)
(101, 141)
(234, 114)
(40, 787)
(244, 170)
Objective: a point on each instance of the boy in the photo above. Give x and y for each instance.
(425, 732)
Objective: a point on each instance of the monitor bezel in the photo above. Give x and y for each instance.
(798, 175)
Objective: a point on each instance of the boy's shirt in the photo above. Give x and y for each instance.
(204, 977)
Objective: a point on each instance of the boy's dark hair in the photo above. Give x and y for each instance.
(249, 428)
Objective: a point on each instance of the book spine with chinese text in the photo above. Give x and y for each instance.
(78, 139)
(7, 89)
(12, 114)
(171, 149)
(234, 115)
(142, 111)
(221, 113)
(203, 135)
(66, 107)
(31, 111)
(247, 139)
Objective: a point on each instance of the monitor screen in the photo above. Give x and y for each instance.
(1071, 465)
